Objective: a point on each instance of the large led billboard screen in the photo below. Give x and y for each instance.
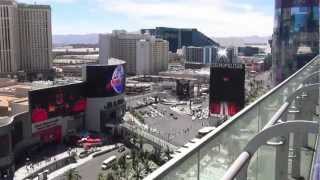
(184, 89)
(227, 89)
(105, 80)
(291, 3)
(57, 101)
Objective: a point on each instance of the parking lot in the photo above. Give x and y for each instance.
(175, 123)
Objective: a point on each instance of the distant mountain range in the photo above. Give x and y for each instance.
(61, 40)
(241, 41)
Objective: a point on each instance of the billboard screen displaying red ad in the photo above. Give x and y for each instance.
(53, 102)
(227, 89)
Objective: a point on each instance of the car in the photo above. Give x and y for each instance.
(175, 117)
(121, 149)
(84, 154)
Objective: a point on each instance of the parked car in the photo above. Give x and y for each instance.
(121, 149)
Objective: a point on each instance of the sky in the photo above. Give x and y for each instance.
(215, 18)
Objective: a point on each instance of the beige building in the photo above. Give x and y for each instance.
(144, 54)
(152, 56)
(35, 37)
(121, 45)
(25, 37)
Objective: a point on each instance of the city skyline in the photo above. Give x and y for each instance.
(213, 17)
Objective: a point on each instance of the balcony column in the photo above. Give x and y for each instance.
(282, 153)
(242, 175)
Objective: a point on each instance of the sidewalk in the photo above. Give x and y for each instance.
(22, 173)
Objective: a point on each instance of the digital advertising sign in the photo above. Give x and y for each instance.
(57, 101)
(183, 89)
(291, 3)
(105, 80)
(227, 89)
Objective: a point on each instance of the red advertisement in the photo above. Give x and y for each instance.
(57, 101)
(227, 89)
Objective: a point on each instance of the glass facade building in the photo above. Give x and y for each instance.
(296, 36)
(178, 38)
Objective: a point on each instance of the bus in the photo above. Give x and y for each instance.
(204, 131)
(106, 164)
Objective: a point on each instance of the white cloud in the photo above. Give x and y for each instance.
(214, 17)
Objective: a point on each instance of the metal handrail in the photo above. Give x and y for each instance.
(262, 137)
(242, 159)
(165, 169)
(236, 166)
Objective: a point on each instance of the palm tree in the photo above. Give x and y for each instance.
(167, 153)
(122, 162)
(137, 172)
(110, 177)
(114, 167)
(141, 156)
(134, 139)
(101, 176)
(140, 142)
(147, 166)
(134, 157)
(72, 174)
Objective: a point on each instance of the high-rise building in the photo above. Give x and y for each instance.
(35, 37)
(25, 38)
(9, 41)
(295, 37)
(180, 37)
(147, 56)
(200, 55)
(152, 56)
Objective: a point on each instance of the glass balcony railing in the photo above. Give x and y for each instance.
(211, 158)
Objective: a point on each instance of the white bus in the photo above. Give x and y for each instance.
(204, 131)
(106, 164)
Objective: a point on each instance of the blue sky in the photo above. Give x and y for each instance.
(214, 17)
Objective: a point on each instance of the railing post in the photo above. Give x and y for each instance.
(281, 164)
(296, 161)
(198, 165)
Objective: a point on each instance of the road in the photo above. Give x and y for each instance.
(176, 131)
(91, 169)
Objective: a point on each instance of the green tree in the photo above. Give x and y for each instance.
(137, 172)
(134, 157)
(147, 166)
(114, 167)
(134, 139)
(101, 176)
(167, 153)
(140, 142)
(122, 162)
(72, 174)
(110, 176)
